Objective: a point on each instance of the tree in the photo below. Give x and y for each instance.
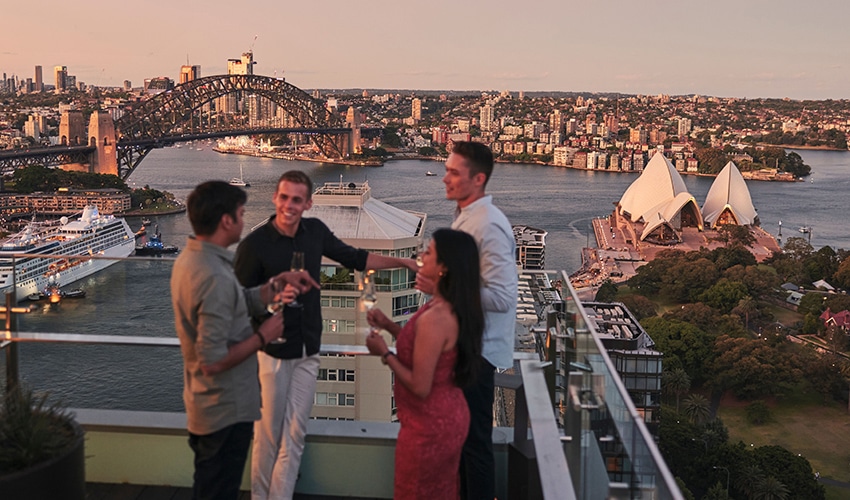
(727, 257)
(640, 306)
(717, 492)
(724, 295)
(770, 488)
(390, 137)
(798, 248)
(735, 235)
(684, 346)
(751, 368)
(607, 292)
(795, 471)
(677, 382)
(697, 408)
(841, 278)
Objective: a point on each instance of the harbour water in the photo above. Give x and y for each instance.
(133, 298)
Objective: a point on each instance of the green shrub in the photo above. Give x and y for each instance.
(32, 430)
(757, 413)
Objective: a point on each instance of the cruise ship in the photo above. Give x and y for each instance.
(90, 235)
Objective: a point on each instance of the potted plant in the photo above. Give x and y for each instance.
(41, 449)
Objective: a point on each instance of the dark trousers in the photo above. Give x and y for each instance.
(220, 460)
(477, 463)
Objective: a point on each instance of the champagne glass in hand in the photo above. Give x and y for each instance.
(420, 251)
(276, 304)
(296, 265)
(368, 295)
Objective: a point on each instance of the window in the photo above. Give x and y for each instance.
(336, 375)
(338, 326)
(405, 304)
(333, 399)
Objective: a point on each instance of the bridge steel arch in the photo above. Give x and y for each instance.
(159, 120)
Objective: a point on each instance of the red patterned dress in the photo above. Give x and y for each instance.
(433, 430)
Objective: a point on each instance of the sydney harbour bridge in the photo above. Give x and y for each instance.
(182, 115)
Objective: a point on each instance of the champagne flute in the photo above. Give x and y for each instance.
(296, 265)
(368, 295)
(276, 304)
(420, 251)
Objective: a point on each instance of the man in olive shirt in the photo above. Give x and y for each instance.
(211, 316)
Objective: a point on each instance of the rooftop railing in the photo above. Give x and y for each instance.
(113, 356)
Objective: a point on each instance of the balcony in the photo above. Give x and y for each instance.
(568, 427)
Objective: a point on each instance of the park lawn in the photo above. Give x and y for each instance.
(801, 424)
(785, 316)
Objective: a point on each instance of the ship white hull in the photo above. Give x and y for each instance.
(73, 273)
(86, 246)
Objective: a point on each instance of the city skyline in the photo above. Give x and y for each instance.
(743, 49)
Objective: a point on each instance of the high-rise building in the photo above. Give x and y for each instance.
(128, 85)
(189, 73)
(488, 118)
(31, 128)
(243, 66)
(158, 84)
(39, 79)
(684, 127)
(60, 74)
(416, 111)
(355, 387)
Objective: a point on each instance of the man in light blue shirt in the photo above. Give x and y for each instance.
(468, 169)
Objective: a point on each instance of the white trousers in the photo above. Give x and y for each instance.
(287, 387)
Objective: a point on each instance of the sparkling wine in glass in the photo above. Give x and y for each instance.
(297, 264)
(420, 251)
(275, 305)
(368, 295)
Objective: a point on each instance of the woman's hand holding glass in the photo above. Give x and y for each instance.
(375, 341)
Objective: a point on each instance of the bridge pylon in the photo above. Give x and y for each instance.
(102, 136)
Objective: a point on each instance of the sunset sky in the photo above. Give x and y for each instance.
(744, 48)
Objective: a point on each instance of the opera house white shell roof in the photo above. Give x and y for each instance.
(658, 184)
(729, 194)
(657, 196)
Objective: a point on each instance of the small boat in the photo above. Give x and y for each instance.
(146, 222)
(239, 181)
(154, 245)
(141, 232)
(53, 293)
(805, 229)
(430, 174)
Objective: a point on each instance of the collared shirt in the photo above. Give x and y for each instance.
(211, 313)
(495, 238)
(266, 252)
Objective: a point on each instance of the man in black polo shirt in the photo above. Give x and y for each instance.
(288, 371)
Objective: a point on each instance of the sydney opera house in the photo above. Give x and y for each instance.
(659, 205)
(657, 212)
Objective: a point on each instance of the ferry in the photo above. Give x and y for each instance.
(90, 235)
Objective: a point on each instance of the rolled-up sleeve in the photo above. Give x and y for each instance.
(215, 320)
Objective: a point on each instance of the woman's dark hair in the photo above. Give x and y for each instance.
(461, 287)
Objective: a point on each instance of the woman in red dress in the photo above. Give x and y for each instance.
(437, 350)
